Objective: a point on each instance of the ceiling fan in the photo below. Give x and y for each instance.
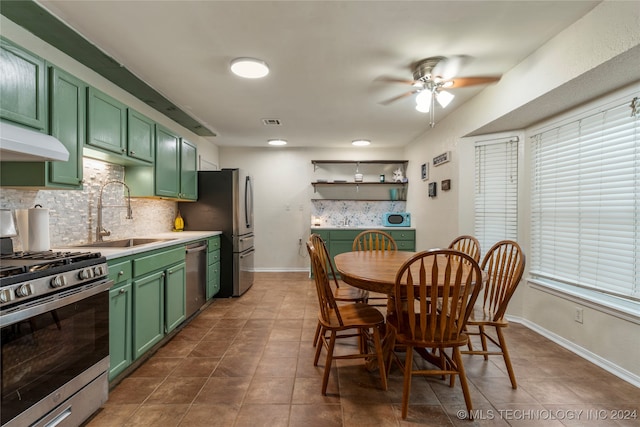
(430, 77)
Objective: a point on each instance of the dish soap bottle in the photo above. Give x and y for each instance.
(178, 223)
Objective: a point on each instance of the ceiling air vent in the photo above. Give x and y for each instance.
(271, 122)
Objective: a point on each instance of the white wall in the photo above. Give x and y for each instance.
(603, 36)
(282, 193)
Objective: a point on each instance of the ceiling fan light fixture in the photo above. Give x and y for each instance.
(360, 142)
(424, 97)
(277, 142)
(249, 68)
(423, 108)
(444, 98)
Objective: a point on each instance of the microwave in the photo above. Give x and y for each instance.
(396, 219)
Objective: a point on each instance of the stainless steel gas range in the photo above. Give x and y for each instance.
(54, 320)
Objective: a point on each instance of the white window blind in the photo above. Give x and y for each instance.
(585, 206)
(496, 191)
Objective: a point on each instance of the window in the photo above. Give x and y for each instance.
(496, 191)
(585, 201)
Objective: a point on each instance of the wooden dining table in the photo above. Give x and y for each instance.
(376, 271)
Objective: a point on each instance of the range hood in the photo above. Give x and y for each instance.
(19, 144)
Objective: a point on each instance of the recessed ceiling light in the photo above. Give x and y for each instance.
(249, 68)
(277, 142)
(360, 142)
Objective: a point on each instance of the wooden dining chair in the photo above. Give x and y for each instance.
(341, 291)
(504, 266)
(357, 317)
(454, 280)
(467, 244)
(375, 240)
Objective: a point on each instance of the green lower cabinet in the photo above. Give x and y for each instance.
(120, 313)
(175, 296)
(148, 312)
(213, 280)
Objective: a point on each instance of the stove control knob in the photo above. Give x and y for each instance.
(58, 281)
(98, 271)
(5, 295)
(86, 273)
(24, 290)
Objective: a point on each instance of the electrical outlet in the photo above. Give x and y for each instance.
(577, 315)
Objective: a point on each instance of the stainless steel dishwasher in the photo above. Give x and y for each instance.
(196, 261)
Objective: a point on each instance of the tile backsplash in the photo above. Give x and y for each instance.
(73, 213)
(355, 213)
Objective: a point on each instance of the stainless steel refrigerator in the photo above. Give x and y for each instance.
(225, 203)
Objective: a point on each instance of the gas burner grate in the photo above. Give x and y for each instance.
(11, 270)
(50, 255)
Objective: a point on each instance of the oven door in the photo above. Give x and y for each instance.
(49, 347)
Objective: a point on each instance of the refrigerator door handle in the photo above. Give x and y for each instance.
(247, 253)
(248, 201)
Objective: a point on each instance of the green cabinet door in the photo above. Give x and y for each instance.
(213, 280)
(120, 312)
(140, 136)
(67, 118)
(188, 171)
(22, 87)
(106, 122)
(175, 296)
(148, 312)
(167, 165)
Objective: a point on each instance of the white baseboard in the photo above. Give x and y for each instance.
(281, 270)
(605, 364)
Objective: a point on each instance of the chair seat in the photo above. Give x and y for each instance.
(484, 317)
(349, 293)
(354, 315)
(427, 341)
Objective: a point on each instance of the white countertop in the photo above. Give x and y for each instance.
(174, 238)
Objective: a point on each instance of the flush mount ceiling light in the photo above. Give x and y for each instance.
(360, 142)
(277, 142)
(249, 68)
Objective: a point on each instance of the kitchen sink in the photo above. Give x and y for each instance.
(122, 243)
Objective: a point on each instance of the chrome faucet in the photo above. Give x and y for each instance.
(100, 231)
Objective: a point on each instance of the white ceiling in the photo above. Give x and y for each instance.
(325, 57)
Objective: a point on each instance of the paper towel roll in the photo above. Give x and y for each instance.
(38, 230)
(22, 218)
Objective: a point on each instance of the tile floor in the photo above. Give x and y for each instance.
(248, 361)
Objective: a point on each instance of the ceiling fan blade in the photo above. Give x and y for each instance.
(471, 81)
(396, 98)
(394, 80)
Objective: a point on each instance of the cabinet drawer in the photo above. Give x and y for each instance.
(213, 257)
(120, 272)
(158, 260)
(344, 234)
(406, 245)
(403, 234)
(214, 243)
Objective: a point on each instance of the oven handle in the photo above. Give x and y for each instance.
(36, 307)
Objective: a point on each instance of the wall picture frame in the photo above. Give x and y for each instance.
(424, 171)
(433, 189)
(445, 185)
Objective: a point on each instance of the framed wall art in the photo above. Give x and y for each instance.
(446, 185)
(433, 189)
(424, 170)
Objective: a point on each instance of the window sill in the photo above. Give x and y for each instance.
(618, 307)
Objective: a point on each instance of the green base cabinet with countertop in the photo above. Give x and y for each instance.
(147, 301)
(340, 240)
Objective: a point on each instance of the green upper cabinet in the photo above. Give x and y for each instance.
(67, 123)
(188, 170)
(22, 87)
(106, 123)
(167, 166)
(175, 171)
(140, 136)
